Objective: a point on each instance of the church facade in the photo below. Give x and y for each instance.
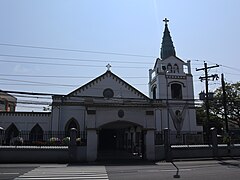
(115, 115)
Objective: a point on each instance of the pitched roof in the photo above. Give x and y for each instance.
(108, 73)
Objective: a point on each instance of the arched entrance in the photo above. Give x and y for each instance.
(11, 132)
(120, 140)
(36, 134)
(72, 123)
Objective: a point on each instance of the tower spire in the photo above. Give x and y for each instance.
(167, 48)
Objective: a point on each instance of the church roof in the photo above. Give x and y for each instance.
(167, 48)
(109, 74)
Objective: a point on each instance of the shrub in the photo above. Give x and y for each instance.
(66, 141)
(78, 141)
(17, 141)
(54, 141)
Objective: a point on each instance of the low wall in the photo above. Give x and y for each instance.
(39, 154)
(204, 151)
(197, 151)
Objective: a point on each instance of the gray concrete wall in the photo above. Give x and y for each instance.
(35, 154)
(197, 151)
(204, 151)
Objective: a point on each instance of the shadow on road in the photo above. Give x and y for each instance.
(235, 164)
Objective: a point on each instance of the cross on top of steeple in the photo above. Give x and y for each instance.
(166, 21)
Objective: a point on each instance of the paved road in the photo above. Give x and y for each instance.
(199, 170)
(10, 171)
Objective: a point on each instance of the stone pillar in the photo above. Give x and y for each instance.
(73, 146)
(150, 144)
(56, 117)
(167, 145)
(214, 141)
(92, 142)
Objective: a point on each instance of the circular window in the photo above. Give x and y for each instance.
(108, 93)
(120, 113)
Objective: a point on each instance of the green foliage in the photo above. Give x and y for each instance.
(233, 103)
(66, 141)
(54, 141)
(79, 141)
(217, 109)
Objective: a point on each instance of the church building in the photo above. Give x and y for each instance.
(117, 116)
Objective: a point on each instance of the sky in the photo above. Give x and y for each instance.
(57, 46)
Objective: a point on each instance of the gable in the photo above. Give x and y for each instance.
(98, 88)
(173, 59)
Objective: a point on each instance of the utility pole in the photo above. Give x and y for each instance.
(206, 78)
(224, 103)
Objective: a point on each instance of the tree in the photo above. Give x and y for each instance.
(233, 103)
(216, 118)
(214, 121)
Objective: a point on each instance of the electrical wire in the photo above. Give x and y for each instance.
(71, 59)
(66, 64)
(76, 50)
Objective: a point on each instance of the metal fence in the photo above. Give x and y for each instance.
(186, 138)
(46, 138)
(197, 138)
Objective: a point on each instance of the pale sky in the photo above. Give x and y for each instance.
(125, 33)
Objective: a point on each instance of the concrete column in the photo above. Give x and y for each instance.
(167, 145)
(92, 145)
(150, 144)
(73, 146)
(55, 118)
(214, 141)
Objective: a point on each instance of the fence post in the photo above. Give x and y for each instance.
(73, 146)
(167, 146)
(214, 141)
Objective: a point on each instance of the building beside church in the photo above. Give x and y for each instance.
(7, 102)
(115, 115)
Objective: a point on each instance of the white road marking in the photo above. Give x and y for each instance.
(66, 172)
(9, 173)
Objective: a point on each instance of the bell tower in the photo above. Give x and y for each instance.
(170, 77)
(171, 82)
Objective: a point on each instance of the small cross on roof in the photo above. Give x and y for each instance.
(108, 66)
(166, 21)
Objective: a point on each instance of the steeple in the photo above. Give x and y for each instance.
(167, 48)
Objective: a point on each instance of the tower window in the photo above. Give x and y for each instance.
(154, 91)
(175, 68)
(176, 90)
(169, 68)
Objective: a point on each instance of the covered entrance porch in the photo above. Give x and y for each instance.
(120, 140)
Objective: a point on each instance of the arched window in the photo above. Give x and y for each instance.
(175, 68)
(11, 132)
(72, 123)
(169, 67)
(176, 90)
(36, 134)
(154, 92)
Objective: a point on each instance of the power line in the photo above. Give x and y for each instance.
(71, 59)
(35, 82)
(79, 60)
(75, 50)
(30, 93)
(65, 64)
(60, 76)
